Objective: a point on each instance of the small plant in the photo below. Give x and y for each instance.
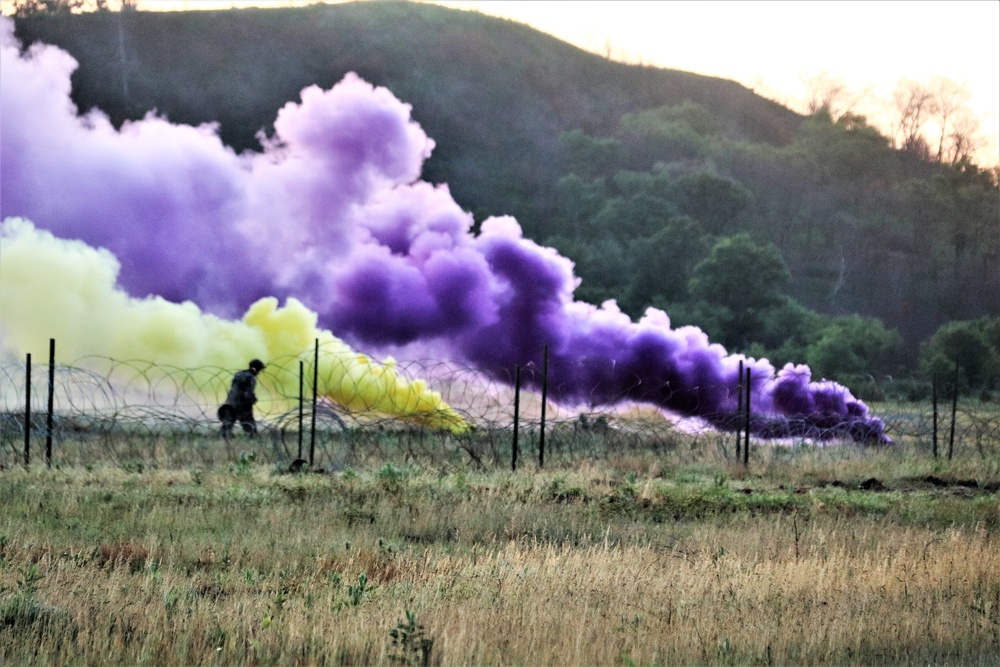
(556, 486)
(717, 556)
(725, 650)
(245, 463)
(135, 556)
(559, 492)
(28, 578)
(391, 478)
(356, 593)
(628, 489)
(217, 637)
(134, 466)
(409, 645)
(170, 600)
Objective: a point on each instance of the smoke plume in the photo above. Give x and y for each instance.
(78, 303)
(331, 211)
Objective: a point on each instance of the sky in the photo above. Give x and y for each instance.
(772, 47)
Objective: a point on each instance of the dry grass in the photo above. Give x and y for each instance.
(640, 560)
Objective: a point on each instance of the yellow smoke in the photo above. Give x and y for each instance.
(55, 288)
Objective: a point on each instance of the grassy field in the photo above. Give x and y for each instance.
(836, 555)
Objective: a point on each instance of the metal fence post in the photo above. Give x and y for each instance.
(739, 409)
(934, 408)
(746, 442)
(301, 396)
(545, 391)
(954, 410)
(52, 393)
(312, 428)
(27, 411)
(517, 407)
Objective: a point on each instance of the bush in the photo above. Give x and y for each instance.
(963, 344)
(854, 346)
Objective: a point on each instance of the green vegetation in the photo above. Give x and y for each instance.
(640, 558)
(743, 279)
(972, 348)
(859, 251)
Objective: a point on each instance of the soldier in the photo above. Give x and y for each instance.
(240, 400)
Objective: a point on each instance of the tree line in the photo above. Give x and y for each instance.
(837, 250)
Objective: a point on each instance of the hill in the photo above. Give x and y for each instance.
(494, 94)
(637, 173)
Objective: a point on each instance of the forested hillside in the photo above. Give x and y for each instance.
(803, 238)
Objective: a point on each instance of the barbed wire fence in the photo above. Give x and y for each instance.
(140, 413)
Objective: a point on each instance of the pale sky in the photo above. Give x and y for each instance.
(773, 46)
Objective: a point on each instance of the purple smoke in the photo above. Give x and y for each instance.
(332, 211)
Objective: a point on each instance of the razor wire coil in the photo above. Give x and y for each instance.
(139, 410)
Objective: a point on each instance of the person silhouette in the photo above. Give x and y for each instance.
(240, 401)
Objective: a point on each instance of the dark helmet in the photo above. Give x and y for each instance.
(256, 365)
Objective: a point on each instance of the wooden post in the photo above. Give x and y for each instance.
(301, 400)
(739, 409)
(954, 410)
(746, 441)
(27, 411)
(312, 428)
(934, 405)
(545, 391)
(52, 393)
(517, 407)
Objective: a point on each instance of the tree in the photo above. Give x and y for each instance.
(663, 263)
(713, 200)
(666, 134)
(631, 217)
(964, 139)
(831, 95)
(688, 113)
(577, 201)
(743, 277)
(847, 149)
(632, 183)
(27, 8)
(854, 345)
(957, 127)
(787, 331)
(603, 265)
(963, 343)
(587, 156)
(914, 103)
(944, 104)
